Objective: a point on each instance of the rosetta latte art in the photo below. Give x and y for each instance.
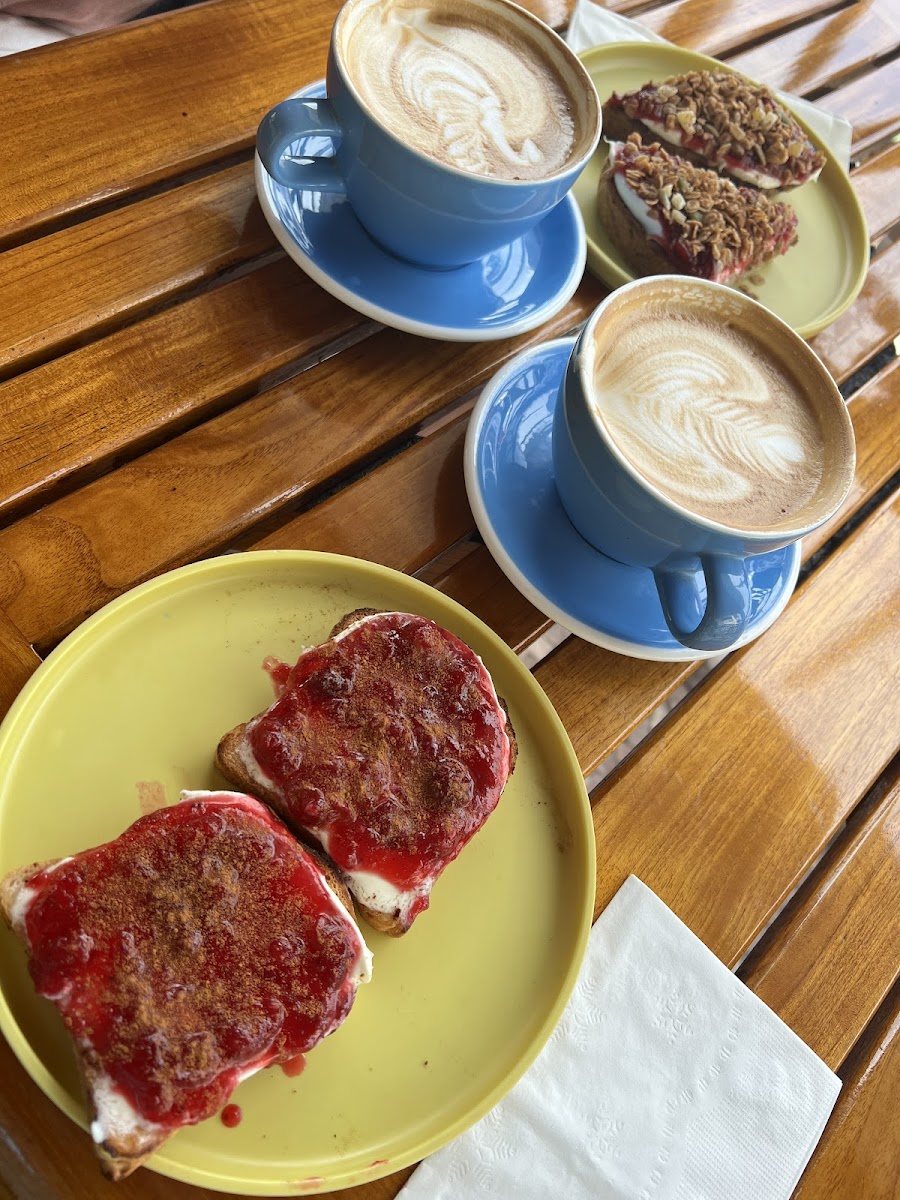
(715, 426)
(475, 98)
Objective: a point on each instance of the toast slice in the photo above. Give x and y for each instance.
(665, 215)
(364, 754)
(200, 946)
(719, 120)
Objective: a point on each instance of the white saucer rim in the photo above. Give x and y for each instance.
(530, 590)
(385, 316)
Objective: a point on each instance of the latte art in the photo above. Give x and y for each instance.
(478, 97)
(714, 425)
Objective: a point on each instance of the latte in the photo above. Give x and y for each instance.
(464, 84)
(709, 416)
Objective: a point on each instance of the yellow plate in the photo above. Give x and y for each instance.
(817, 279)
(456, 1010)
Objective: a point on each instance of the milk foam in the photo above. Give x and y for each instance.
(476, 96)
(701, 414)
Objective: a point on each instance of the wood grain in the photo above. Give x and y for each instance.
(871, 104)
(860, 1148)
(875, 412)
(18, 662)
(400, 515)
(169, 116)
(716, 28)
(723, 810)
(877, 185)
(478, 584)
(825, 52)
(270, 452)
(147, 381)
(842, 939)
(869, 325)
(82, 281)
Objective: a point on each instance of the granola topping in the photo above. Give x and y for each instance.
(711, 227)
(735, 125)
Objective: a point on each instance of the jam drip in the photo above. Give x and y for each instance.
(389, 745)
(200, 943)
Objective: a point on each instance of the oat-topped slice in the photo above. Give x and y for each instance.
(666, 215)
(722, 121)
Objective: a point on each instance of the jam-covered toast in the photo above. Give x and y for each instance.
(201, 945)
(387, 747)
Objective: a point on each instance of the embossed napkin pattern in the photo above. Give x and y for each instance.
(666, 1079)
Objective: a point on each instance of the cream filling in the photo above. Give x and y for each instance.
(638, 207)
(762, 179)
(116, 1117)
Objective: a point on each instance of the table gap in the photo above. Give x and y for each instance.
(78, 217)
(820, 94)
(755, 40)
(122, 320)
(859, 815)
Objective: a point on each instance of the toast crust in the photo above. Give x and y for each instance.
(643, 256)
(121, 1154)
(230, 764)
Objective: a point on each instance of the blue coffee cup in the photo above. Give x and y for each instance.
(699, 564)
(418, 208)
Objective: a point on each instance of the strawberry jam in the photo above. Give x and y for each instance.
(389, 745)
(199, 945)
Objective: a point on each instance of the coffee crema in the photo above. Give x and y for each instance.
(460, 84)
(710, 418)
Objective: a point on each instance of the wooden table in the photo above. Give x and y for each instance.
(173, 387)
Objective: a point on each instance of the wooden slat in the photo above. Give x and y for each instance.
(869, 325)
(871, 104)
(210, 485)
(478, 584)
(716, 28)
(150, 379)
(827, 968)
(400, 515)
(18, 662)
(878, 187)
(83, 280)
(184, 89)
(724, 809)
(875, 411)
(824, 52)
(858, 1155)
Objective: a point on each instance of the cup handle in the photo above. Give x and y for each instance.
(727, 598)
(286, 123)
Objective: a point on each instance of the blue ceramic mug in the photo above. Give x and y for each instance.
(705, 425)
(419, 208)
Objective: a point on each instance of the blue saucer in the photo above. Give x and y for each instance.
(509, 291)
(509, 478)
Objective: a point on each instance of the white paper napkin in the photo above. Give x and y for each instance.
(666, 1079)
(595, 26)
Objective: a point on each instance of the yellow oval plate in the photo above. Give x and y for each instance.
(457, 1009)
(817, 279)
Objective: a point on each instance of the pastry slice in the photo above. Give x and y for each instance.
(665, 215)
(722, 121)
(388, 747)
(199, 946)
